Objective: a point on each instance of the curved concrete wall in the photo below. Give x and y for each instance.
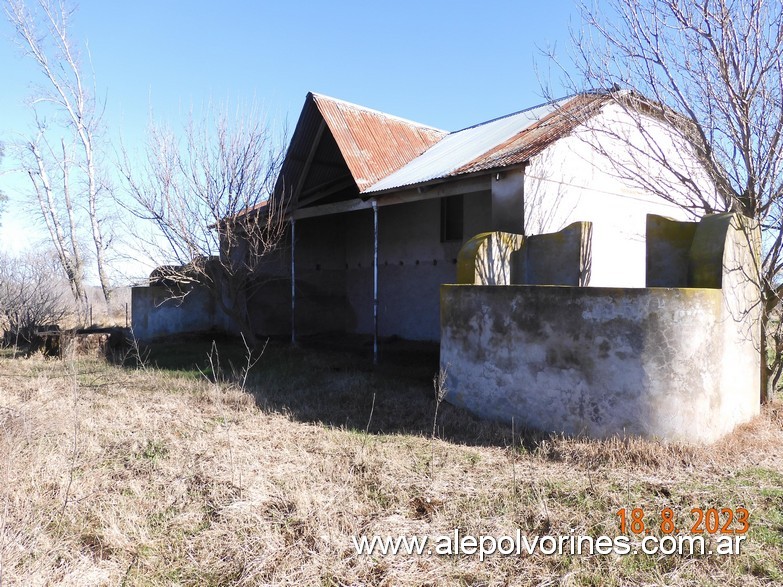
(680, 364)
(592, 361)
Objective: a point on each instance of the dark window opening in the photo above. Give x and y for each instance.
(451, 217)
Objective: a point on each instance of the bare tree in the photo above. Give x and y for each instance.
(713, 71)
(208, 197)
(3, 197)
(31, 296)
(61, 160)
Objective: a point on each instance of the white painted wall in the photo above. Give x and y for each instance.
(585, 177)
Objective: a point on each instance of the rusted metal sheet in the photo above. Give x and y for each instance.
(366, 152)
(372, 143)
(535, 138)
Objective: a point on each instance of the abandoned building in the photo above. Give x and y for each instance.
(565, 295)
(381, 206)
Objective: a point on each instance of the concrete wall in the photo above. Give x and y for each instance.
(584, 177)
(508, 191)
(321, 271)
(156, 313)
(334, 269)
(668, 247)
(680, 364)
(334, 276)
(561, 258)
(502, 258)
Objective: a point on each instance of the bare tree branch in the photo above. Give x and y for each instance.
(41, 28)
(713, 70)
(208, 196)
(31, 296)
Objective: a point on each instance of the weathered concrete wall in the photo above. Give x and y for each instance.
(668, 247)
(334, 257)
(561, 258)
(334, 275)
(413, 263)
(156, 313)
(680, 364)
(321, 304)
(502, 258)
(269, 305)
(596, 361)
(489, 258)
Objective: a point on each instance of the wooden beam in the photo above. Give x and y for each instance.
(344, 183)
(466, 186)
(335, 208)
(310, 156)
(443, 190)
(325, 185)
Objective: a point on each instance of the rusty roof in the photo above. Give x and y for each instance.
(372, 143)
(535, 138)
(340, 151)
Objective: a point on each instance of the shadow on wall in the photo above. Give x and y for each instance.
(678, 360)
(500, 258)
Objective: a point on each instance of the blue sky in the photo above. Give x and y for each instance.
(446, 64)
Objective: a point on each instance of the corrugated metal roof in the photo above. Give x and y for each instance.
(536, 137)
(372, 143)
(363, 151)
(495, 144)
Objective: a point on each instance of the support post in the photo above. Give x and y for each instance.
(375, 283)
(293, 281)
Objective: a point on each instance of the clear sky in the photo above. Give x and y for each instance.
(449, 64)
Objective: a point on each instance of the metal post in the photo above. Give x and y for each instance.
(375, 283)
(293, 282)
(126, 314)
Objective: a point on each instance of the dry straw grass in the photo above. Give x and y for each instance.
(118, 476)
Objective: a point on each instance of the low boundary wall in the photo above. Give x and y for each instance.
(675, 363)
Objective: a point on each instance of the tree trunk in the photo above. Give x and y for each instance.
(766, 373)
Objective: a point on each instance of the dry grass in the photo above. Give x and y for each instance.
(116, 476)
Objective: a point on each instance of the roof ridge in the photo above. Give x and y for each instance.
(317, 95)
(541, 105)
(469, 146)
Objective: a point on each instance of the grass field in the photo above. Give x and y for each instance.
(174, 475)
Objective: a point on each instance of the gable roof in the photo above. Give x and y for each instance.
(374, 144)
(371, 143)
(367, 152)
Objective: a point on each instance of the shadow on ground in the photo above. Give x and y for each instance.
(331, 380)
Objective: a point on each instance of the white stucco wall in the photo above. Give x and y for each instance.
(675, 363)
(584, 177)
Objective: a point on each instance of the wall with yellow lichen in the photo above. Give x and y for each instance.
(677, 363)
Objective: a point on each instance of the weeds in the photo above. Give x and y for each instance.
(135, 354)
(178, 480)
(439, 383)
